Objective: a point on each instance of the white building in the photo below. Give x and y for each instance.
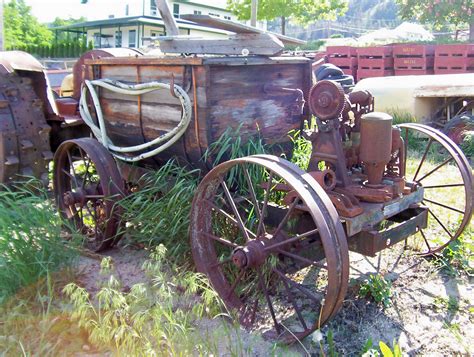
(143, 21)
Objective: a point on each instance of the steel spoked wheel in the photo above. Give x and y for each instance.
(87, 185)
(266, 237)
(436, 163)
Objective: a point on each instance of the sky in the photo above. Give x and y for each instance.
(48, 10)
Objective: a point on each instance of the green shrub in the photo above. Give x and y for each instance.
(377, 287)
(467, 144)
(31, 246)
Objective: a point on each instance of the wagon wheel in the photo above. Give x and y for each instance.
(270, 242)
(87, 184)
(437, 164)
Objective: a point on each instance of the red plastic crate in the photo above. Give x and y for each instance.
(341, 51)
(413, 72)
(375, 63)
(412, 50)
(347, 64)
(369, 73)
(454, 58)
(413, 63)
(374, 52)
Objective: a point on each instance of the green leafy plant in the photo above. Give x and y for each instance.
(149, 319)
(467, 144)
(458, 256)
(377, 287)
(302, 149)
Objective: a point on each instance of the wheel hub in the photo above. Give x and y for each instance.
(252, 255)
(73, 197)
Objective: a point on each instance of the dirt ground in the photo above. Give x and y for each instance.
(431, 311)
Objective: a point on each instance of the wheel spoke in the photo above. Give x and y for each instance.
(291, 240)
(426, 240)
(436, 168)
(293, 302)
(229, 217)
(443, 186)
(422, 159)
(225, 261)
(298, 286)
(265, 203)
(231, 202)
(302, 259)
(269, 301)
(234, 285)
(443, 205)
(440, 223)
(287, 216)
(71, 166)
(252, 194)
(220, 240)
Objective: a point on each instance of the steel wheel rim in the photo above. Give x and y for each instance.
(206, 259)
(87, 197)
(454, 154)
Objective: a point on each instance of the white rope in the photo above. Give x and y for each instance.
(100, 132)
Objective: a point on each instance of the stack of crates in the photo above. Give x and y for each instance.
(374, 62)
(410, 59)
(451, 59)
(344, 57)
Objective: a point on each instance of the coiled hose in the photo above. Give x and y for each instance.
(164, 141)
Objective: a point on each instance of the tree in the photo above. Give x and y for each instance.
(22, 29)
(439, 13)
(302, 11)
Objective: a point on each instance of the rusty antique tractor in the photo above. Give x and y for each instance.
(272, 238)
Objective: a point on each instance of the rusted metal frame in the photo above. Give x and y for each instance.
(196, 115)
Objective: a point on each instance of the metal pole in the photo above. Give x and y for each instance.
(253, 14)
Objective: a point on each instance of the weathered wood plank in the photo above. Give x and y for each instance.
(249, 44)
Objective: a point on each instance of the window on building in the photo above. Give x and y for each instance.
(97, 40)
(197, 12)
(216, 15)
(176, 10)
(118, 38)
(153, 8)
(132, 38)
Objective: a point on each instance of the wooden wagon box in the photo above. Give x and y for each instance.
(226, 92)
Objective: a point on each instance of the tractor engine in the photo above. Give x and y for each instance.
(356, 148)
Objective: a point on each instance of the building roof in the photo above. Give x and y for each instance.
(134, 20)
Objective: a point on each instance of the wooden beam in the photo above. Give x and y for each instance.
(167, 17)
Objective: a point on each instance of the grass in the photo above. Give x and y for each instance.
(31, 242)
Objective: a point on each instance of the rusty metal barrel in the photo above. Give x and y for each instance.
(375, 144)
